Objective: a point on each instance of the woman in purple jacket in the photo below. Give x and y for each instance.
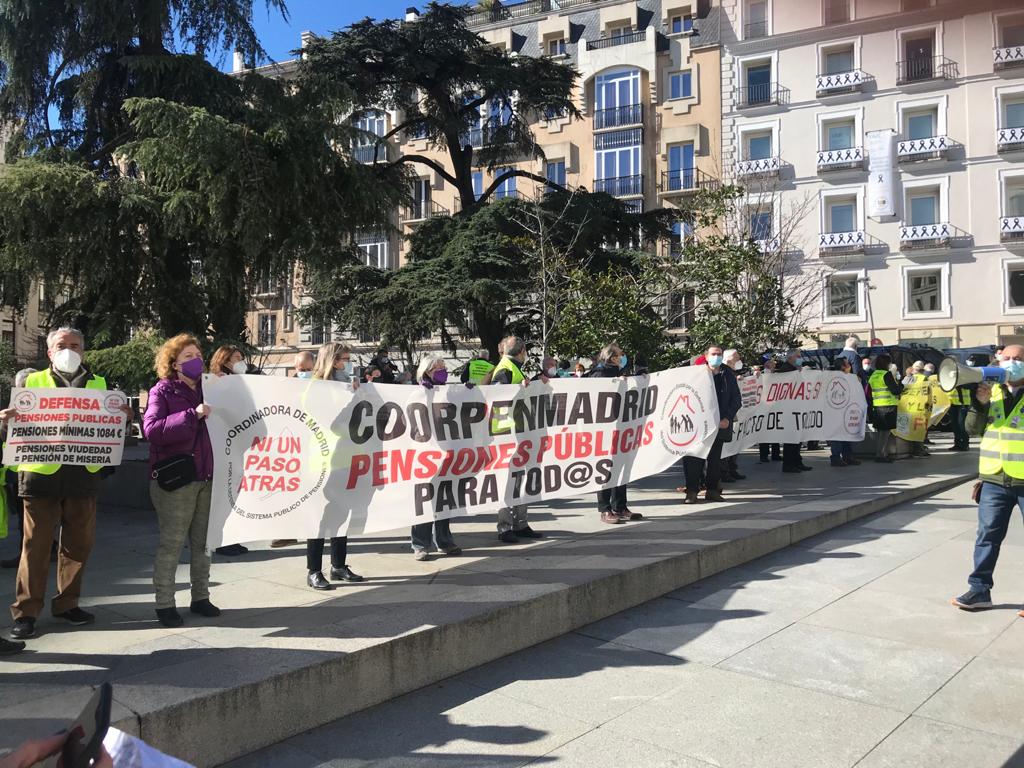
(175, 424)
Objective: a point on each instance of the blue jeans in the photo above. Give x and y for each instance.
(841, 449)
(995, 508)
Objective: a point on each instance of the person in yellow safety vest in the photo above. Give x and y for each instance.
(885, 393)
(997, 416)
(56, 494)
(513, 523)
(478, 370)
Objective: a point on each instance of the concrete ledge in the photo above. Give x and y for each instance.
(212, 693)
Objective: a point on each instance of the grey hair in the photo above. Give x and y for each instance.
(52, 335)
(607, 351)
(514, 346)
(426, 363)
(22, 376)
(730, 352)
(852, 341)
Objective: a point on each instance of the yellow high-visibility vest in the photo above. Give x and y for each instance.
(880, 394)
(1002, 446)
(501, 420)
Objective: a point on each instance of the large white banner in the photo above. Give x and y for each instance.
(881, 174)
(797, 407)
(65, 425)
(309, 459)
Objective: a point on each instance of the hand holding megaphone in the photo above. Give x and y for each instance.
(953, 374)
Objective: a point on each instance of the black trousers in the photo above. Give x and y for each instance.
(791, 455)
(764, 448)
(611, 499)
(711, 468)
(315, 553)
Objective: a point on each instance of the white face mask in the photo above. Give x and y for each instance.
(738, 365)
(552, 372)
(240, 367)
(67, 361)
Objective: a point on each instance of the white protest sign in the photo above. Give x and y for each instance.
(66, 426)
(797, 407)
(310, 459)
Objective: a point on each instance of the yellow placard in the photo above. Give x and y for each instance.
(913, 413)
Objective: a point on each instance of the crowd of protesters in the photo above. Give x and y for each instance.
(181, 459)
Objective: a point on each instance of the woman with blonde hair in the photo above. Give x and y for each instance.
(181, 468)
(333, 363)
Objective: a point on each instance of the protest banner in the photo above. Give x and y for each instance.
(312, 459)
(922, 405)
(65, 426)
(797, 407)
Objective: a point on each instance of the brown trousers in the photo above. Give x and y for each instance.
(77, 518)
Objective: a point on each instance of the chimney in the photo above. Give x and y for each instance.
(411, 14)
(238, 63)
(305, 39)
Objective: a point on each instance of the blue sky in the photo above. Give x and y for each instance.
(279, 38)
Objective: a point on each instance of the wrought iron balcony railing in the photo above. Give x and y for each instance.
(762, 95)
(507, 10)
(767, 166)
(923, 68)
(915, 237)
(768, 243)
(1010, 139)
(1011, 229)
(609, 42)
(923, 149)
(842, 242)
(841, 82)
(619, 117)
(840, 159)
(1008, 57)
(685, 180)
(421, 210)
(621, 186)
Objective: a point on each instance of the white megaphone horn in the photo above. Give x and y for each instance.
(953, 374)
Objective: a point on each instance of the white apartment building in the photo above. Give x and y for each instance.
(803, 84)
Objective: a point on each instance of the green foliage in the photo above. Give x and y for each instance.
(127, 367)
(8, 367)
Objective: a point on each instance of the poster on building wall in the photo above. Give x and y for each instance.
(881, 174)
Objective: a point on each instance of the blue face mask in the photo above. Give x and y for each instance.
(1014, 369)
(304, 375)
(623, 362)
(714, 360)
(798, 362)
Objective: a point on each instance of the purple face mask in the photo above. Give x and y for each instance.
(439, 376)
(193, 368)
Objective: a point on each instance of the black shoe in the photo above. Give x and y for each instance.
(10, 563)
(776, 458)
(528, 533)
(792, 469)
(853, 462)
(205, 608)
(317, 581)
(344, 573)
(838, 462)
(169, 617)
(76, 616)
(231, 550)
(973, 600)
(714, 496)
(23, 627)
(805, 468)
(738, 476)
(508, 537)
(765, 461)
(10, 647)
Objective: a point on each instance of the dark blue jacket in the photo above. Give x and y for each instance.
(728, 391)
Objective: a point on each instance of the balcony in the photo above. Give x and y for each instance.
(768, 244)
(506, 11)
(685, 181)
(924, 69)
(761, 95)
(621, 186)
(1008, 58)
(1011, 230)
(610, 42)
(767, 166)
(931, 148)
(840, 159)
(1010, 139)
(619, 117)
(755, 29)
(841, 82)
(422, 210)
(926, 237)
(370, 153)
(841, 243)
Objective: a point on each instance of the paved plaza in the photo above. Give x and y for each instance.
(840, 651)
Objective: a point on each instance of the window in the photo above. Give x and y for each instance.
(1013, 113)
(681, 308)
(918, 57)
(756, 19)
(680, 22)
(924, 291)
(556, 47)
(1011, 33)
(555, 172)
(421, 194)
(923, 206)
(617, 89)
(619, 31)
(758, 145)
(267, 286)
(680, 166)
(267, 330)
(760, 225)
(1015, 286)
(758, 83)
(320, 332)
(921, 124)
(507, 188)
(842, 296)
(682, 234)
(375, 250)
(478, 184)
(838, 60)
(1013, 196)
(680, 85)
(841, 214)
(839, 135)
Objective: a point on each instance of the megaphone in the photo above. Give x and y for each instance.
(953, 374)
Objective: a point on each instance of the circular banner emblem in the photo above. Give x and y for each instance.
(684, 421)
(25, 402)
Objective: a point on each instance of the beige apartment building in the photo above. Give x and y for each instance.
(882, 142)
(650, 133)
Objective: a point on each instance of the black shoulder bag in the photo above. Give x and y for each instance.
(179, 470)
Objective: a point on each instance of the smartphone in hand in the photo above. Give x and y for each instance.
(86, 734)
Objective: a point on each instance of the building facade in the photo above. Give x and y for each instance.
(650, 134)
(928, 246)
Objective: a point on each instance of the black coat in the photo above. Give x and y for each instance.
(728, 391)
